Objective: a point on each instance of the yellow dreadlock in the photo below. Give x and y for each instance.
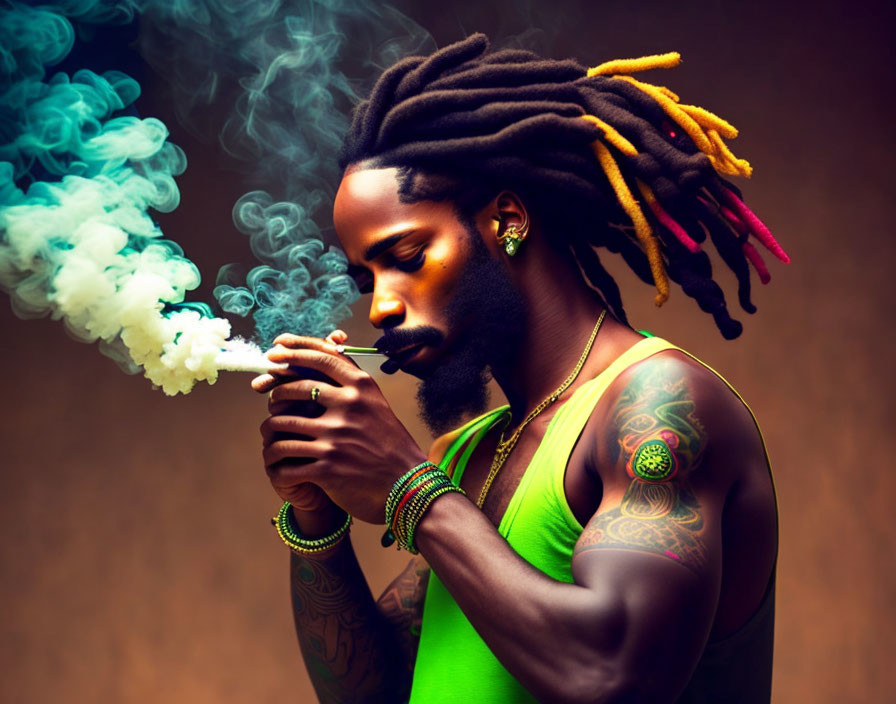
(643, 230)
(705, 129)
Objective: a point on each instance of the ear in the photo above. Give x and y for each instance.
(510, 211)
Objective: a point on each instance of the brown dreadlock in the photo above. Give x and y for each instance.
(579, 144)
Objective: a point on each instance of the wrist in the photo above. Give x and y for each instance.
(409, 500)
(319, 523)
(304, 545)
(445, 510)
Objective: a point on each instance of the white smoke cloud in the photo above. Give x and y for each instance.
(84, 248)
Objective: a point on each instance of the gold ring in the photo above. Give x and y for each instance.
(315, 393)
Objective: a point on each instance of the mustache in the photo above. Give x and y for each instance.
(396, 339)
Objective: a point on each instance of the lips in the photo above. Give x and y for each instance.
(411, 349)
(404, 355)
(397, 360)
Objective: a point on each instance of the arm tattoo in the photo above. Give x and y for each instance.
(660, 442)
(401, 604)
(659, 435)
(663, 519)
(339, 629)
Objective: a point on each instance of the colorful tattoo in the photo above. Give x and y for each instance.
(660, 518)
(653, 461)
(659, 434)
(661, 442)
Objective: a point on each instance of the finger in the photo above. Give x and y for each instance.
(274, 427)
(266, 382)
(303, 342)
(263, 383)
(335, 366)
(293, 450)
(304, 390)
(288, 474)
(337, 337)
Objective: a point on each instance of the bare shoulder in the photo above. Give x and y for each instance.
(684, 479)
(667, 416)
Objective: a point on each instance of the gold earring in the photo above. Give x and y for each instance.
(512, 238)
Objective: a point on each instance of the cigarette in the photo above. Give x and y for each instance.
(350, 351)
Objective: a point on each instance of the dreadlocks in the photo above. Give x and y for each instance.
(590, 148)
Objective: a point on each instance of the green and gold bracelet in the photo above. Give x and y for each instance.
(410, 498)
(304, 546)
(432, 496)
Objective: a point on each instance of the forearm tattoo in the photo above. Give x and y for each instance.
(339, 630)
(660, 443)
(401, 604)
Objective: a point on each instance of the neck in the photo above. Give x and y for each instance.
(559, 327)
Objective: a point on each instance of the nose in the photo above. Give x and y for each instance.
(386, 310)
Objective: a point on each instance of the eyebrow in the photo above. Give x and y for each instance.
(377, 248)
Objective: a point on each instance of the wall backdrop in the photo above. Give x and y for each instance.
(137, 561)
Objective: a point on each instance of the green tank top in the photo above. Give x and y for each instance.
(453, 663)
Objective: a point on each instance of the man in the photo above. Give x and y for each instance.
(618, 534)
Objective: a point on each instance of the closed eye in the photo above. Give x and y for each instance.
(410, 264)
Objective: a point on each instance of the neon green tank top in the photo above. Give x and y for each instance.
(453, 663)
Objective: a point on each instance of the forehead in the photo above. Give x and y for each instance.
(366, 194)
(367, 208)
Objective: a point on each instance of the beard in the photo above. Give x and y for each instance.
(489, 305)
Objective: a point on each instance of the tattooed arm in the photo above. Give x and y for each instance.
(669, 445)
(401, 605)
(348, 647)
(356, 650)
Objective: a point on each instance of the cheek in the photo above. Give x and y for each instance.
(445, 263)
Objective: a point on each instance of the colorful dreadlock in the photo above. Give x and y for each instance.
(581, 142)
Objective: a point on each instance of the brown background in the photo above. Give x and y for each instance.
(138, 564)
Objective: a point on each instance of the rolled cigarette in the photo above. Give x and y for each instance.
(350, 351)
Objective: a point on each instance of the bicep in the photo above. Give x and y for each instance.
(654, 557)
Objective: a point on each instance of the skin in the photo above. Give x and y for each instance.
(669, 478)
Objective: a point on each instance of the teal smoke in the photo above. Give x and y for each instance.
(78, 179)
(286, 66)
(80, 174)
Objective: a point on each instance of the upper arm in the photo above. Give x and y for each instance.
(652, 550)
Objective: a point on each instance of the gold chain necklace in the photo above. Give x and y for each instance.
(505, 447)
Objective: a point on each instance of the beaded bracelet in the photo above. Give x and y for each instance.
(304, 546)
(411, 518)
(412, 527)
(403, 483)
(410, 498)
(410, 478)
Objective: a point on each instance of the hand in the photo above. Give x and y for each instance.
(357, 448)
(305, 498)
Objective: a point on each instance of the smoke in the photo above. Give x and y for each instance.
(304, 287)
(79, 176)
(286, 67)
(83, 248)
